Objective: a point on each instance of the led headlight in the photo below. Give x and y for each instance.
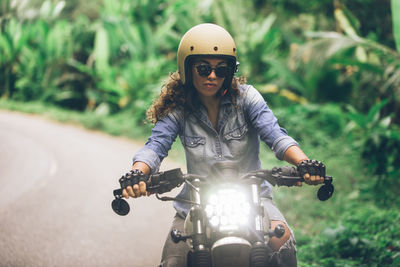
(227, 209)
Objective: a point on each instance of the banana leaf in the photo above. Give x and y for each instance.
(396, 22)
(5, 49)
(101, 50)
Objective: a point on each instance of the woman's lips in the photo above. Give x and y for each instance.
(210, 85)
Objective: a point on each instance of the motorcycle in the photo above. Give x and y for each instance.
(225, 224)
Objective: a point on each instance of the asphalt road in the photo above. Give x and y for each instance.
(56, 185)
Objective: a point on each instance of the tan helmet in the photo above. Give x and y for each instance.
(205, 40)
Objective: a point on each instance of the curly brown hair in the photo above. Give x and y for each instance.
(174, 95)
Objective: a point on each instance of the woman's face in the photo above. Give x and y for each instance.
(208, 75)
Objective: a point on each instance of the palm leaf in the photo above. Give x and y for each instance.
(324, 46)
(344, 22)
(101, 50)
(327, 44)
(396, 22)
(373, 114)
(5, 49)
(283, 72)
(392, 75)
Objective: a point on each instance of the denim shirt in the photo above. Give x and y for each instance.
(236, 139)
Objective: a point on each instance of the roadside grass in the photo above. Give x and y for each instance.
(304, 212)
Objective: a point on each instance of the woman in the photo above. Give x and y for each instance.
(218, 119)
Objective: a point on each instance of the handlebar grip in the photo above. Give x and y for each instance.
(163, 182)
(292, 180)
(118, 192)
(160, 182)
(288, 180)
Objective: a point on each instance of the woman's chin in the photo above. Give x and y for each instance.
(208, 92)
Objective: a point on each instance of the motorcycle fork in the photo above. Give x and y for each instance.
(201, 255)
(199, 238)
(258, 232)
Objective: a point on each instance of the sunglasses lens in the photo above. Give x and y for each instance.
(222, 71)
(204, 70)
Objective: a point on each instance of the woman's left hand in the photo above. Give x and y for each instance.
(312, 171)
(313, 180)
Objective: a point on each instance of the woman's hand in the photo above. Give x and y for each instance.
(313, 180)
(139, 189)
(312, 171)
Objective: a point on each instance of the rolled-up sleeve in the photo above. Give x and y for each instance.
(282, 144)
(266, 124)
(149, 157)
(159, 143)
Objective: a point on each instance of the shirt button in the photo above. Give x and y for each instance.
(219, 156)
(191, 143)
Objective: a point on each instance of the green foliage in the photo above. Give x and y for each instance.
(396, 22)
(293, 7)
(301, 122)
(364, 236)
(375, 20)
(331, 63)
(118, 58)
(379, 142)
(37, 66)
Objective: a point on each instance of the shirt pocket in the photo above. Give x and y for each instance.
(237, 133)
(236, 141)
(194, 148)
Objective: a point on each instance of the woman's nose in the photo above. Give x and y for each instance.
(212, 75)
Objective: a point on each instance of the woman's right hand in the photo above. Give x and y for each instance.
(139, 189)
(135, 191)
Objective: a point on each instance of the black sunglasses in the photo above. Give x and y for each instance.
(221, 71)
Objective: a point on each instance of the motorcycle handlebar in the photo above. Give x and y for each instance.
(163, 182)
(282, 176)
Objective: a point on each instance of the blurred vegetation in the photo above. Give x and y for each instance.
(329, 69)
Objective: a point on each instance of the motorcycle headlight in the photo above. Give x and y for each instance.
(227, 209)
